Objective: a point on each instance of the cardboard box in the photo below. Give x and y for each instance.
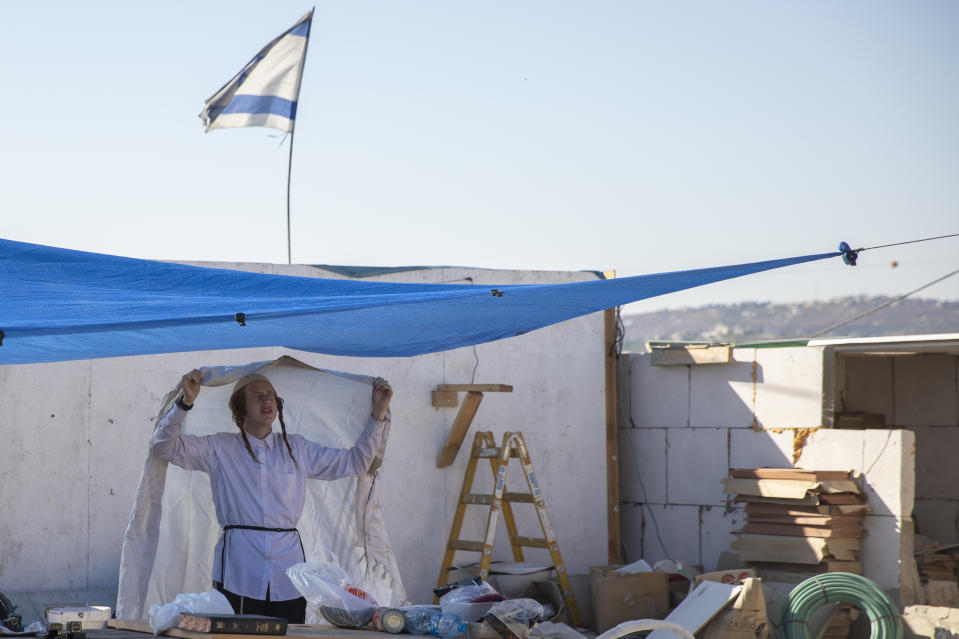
(617, 598)
(735, 576)
(745, 618)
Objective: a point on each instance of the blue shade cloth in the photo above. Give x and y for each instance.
(58, 304)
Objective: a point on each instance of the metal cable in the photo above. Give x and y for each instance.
(925, 239)
(882, 306)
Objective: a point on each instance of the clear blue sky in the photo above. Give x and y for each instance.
(636, 136)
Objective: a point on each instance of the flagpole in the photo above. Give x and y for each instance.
(289, 172)
(289, 164)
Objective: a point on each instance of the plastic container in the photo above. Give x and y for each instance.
(90, 617)
(471, 601)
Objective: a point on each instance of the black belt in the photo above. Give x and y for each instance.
(260, 528)
(241, 527)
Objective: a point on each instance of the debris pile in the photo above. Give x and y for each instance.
(937, 564)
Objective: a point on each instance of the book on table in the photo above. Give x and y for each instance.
(233, 624)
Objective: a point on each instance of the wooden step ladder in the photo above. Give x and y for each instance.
(484, 446)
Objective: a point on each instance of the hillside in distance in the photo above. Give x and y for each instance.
(759, 321)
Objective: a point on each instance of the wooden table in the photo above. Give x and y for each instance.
(125, 629)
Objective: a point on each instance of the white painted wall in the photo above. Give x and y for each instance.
(75, 437)
(689, 425)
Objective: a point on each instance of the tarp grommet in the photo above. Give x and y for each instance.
(240, 318)
(2, 335)
(496, 292)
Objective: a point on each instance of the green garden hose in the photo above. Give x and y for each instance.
(832, 587)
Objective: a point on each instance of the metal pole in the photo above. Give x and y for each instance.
(289, 172)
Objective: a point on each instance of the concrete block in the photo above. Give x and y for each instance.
(631, 519)
(868, 386)
(697, 461)
(760, 449)
(829, 449)
(790, 394)
(922, 621)
(716, 532)
(642, 458)
(937, 518)
(885, 542)
(925, 390)
(660, 394)
(721, 395)
(937, 473)
(889, 478)
(678, 530)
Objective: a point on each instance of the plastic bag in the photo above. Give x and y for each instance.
(525, 612)
(327, 589)
(167, 615)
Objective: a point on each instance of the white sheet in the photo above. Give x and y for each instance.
(168, 544)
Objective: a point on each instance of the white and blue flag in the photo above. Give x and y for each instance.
(265, 91)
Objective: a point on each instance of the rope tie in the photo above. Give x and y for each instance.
(822, 587)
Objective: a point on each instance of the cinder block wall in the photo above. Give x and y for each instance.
(690, 424)
(920, 393)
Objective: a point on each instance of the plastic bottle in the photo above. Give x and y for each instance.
(447, 625)
(418, 618)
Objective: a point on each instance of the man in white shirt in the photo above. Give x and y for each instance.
(258, 478)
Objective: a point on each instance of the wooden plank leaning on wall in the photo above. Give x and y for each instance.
(612, 437)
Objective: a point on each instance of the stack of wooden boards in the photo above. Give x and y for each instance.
(798, 521)
(937, 571)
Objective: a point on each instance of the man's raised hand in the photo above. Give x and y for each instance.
(382, 394)
(191, 386)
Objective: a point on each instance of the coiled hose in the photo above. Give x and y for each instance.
(832, 587)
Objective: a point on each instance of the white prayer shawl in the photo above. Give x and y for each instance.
(265, 92)
(168, 544)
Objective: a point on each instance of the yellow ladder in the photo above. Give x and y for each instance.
(484, 446)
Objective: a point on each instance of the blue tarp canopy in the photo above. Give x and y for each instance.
(58, 304)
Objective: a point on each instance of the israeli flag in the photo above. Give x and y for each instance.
(265, 91)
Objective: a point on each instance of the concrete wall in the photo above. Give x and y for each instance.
(75, 437)
(689, 425)
(920, 393)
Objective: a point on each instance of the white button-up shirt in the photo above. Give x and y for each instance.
(269, 494)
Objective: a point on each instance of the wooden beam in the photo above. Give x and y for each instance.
(614, 550)
(127, 629)
(460, 425)
(445, 399)
(691, 355)
(479, 388)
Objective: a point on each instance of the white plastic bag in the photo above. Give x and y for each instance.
(328, 591)
(166, 616)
